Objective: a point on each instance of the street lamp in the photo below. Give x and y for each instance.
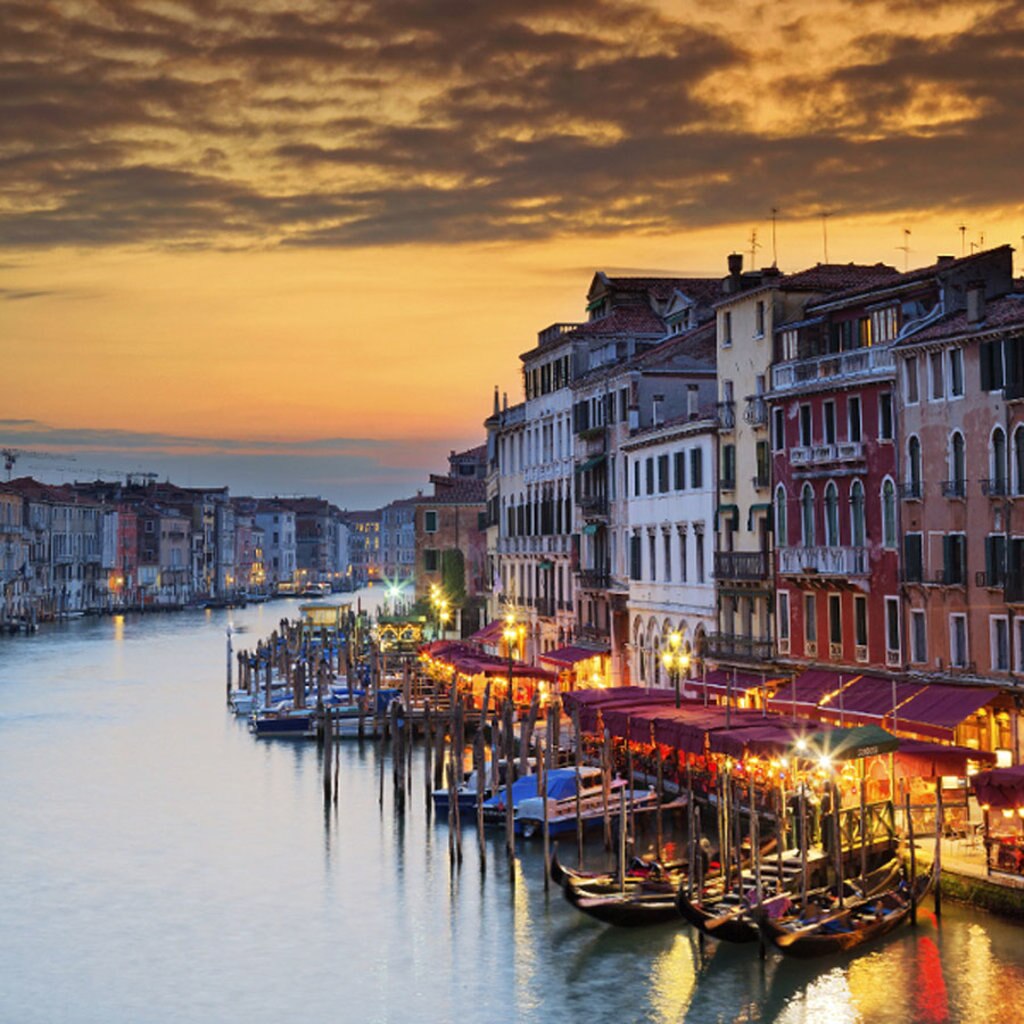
(513, 635)
(675, 660)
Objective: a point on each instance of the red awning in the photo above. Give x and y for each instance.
(939, 708)
(868, 698)
(490, 634)
(771, 738)
(806, 691)
(1001, 788)
(723, 681)
(930, 760)
(566, 657)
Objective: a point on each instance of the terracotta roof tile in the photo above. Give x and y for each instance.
(1007, 312)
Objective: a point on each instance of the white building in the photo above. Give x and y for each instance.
(670, 500)
(279, 546)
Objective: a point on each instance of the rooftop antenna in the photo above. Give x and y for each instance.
(906, 249)
(963, 239)
(754, 246)
(824, 232)
(775, 248)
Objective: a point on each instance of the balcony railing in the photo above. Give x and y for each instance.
(756, 412)
(841, 364)
(727, 483)
(911, 490)
(741, 565)
(823, 561)
(593, 579)
(593, 504)
(994, 577)
(819, 454)
(761, 481)
(743, 648)
(996, 488)
(726, 415)
(954, 488)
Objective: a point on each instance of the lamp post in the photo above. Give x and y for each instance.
(513, 635)
(675, 660)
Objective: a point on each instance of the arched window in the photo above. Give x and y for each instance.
(857, 514)
(889, 513)
(807, 516)
(831, 515)
(781, 520)
(957, 464)
(914, 466)
(997, 469)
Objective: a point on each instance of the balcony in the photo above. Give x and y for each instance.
(954, 488)
(756, 412)
(593, 579)
(741, 648)
(860, 362)
(726, 415)
(554, 333)
(727, 483)
(994, 578)
(823, 561)
(822, 454)
(910, 491)
(994, 488)
(742, 565)
(761, 481)
(593, 505)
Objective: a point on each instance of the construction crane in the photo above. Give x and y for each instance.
(11, 456)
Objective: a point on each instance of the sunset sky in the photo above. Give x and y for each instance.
(292, 246)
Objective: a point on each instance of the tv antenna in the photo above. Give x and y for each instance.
(775, 249)
(906, 249)
(754, 246)
(824, 231)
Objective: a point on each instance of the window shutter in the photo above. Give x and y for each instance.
(985, 365)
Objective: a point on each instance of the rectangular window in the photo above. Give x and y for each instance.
(431, 560)
(999, 638)
(990, 363)
(682, 555)
(956, 372)
(828, 412)
(782, 604)
(667, 544)
(726, 329)
(954, 559)
(805, 426)
(679, 464)
(938, 382)
(910, 380)
(778, 430)
(430, 522)
(853, 418)
(696, 468)
(892, 630)
(698, 554)
(663, 481)
(1019, 646)
(634, 556)
(995, 560)
(650, 475)
(759, 319)
(636, 478)
(913, 558)
(835, 621)
(692, 401)
(860, 620)
(918, 637)
(885, 416)
(958, 640)
(763, 478)
(810, 619)
(728, 466)
(652, 554)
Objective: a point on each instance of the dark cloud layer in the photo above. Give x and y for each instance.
(325, 123)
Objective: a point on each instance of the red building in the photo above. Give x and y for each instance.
(124, 579)
(835, 496)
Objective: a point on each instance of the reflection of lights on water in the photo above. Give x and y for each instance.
(119, 629)
(826, 1000)
(673, 980)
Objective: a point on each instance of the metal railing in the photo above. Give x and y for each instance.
(727, 415)
(954, 488)
(994, 488)
(840, 364)
(741, 565)
(823, 561)
(911, 490)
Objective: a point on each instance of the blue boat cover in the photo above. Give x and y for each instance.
(561, 785)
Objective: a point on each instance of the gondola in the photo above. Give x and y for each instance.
(644, 875)
(727, 916)
(840, 930)
(629, 909)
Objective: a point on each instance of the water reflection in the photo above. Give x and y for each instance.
(161, 865)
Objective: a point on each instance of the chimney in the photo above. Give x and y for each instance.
(732, 282)
(497, 408)
(976, 302)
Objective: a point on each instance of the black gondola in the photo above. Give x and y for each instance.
(631, 909)
(846, 928)
(642, 875)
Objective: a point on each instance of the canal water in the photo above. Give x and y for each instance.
(160, 865)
